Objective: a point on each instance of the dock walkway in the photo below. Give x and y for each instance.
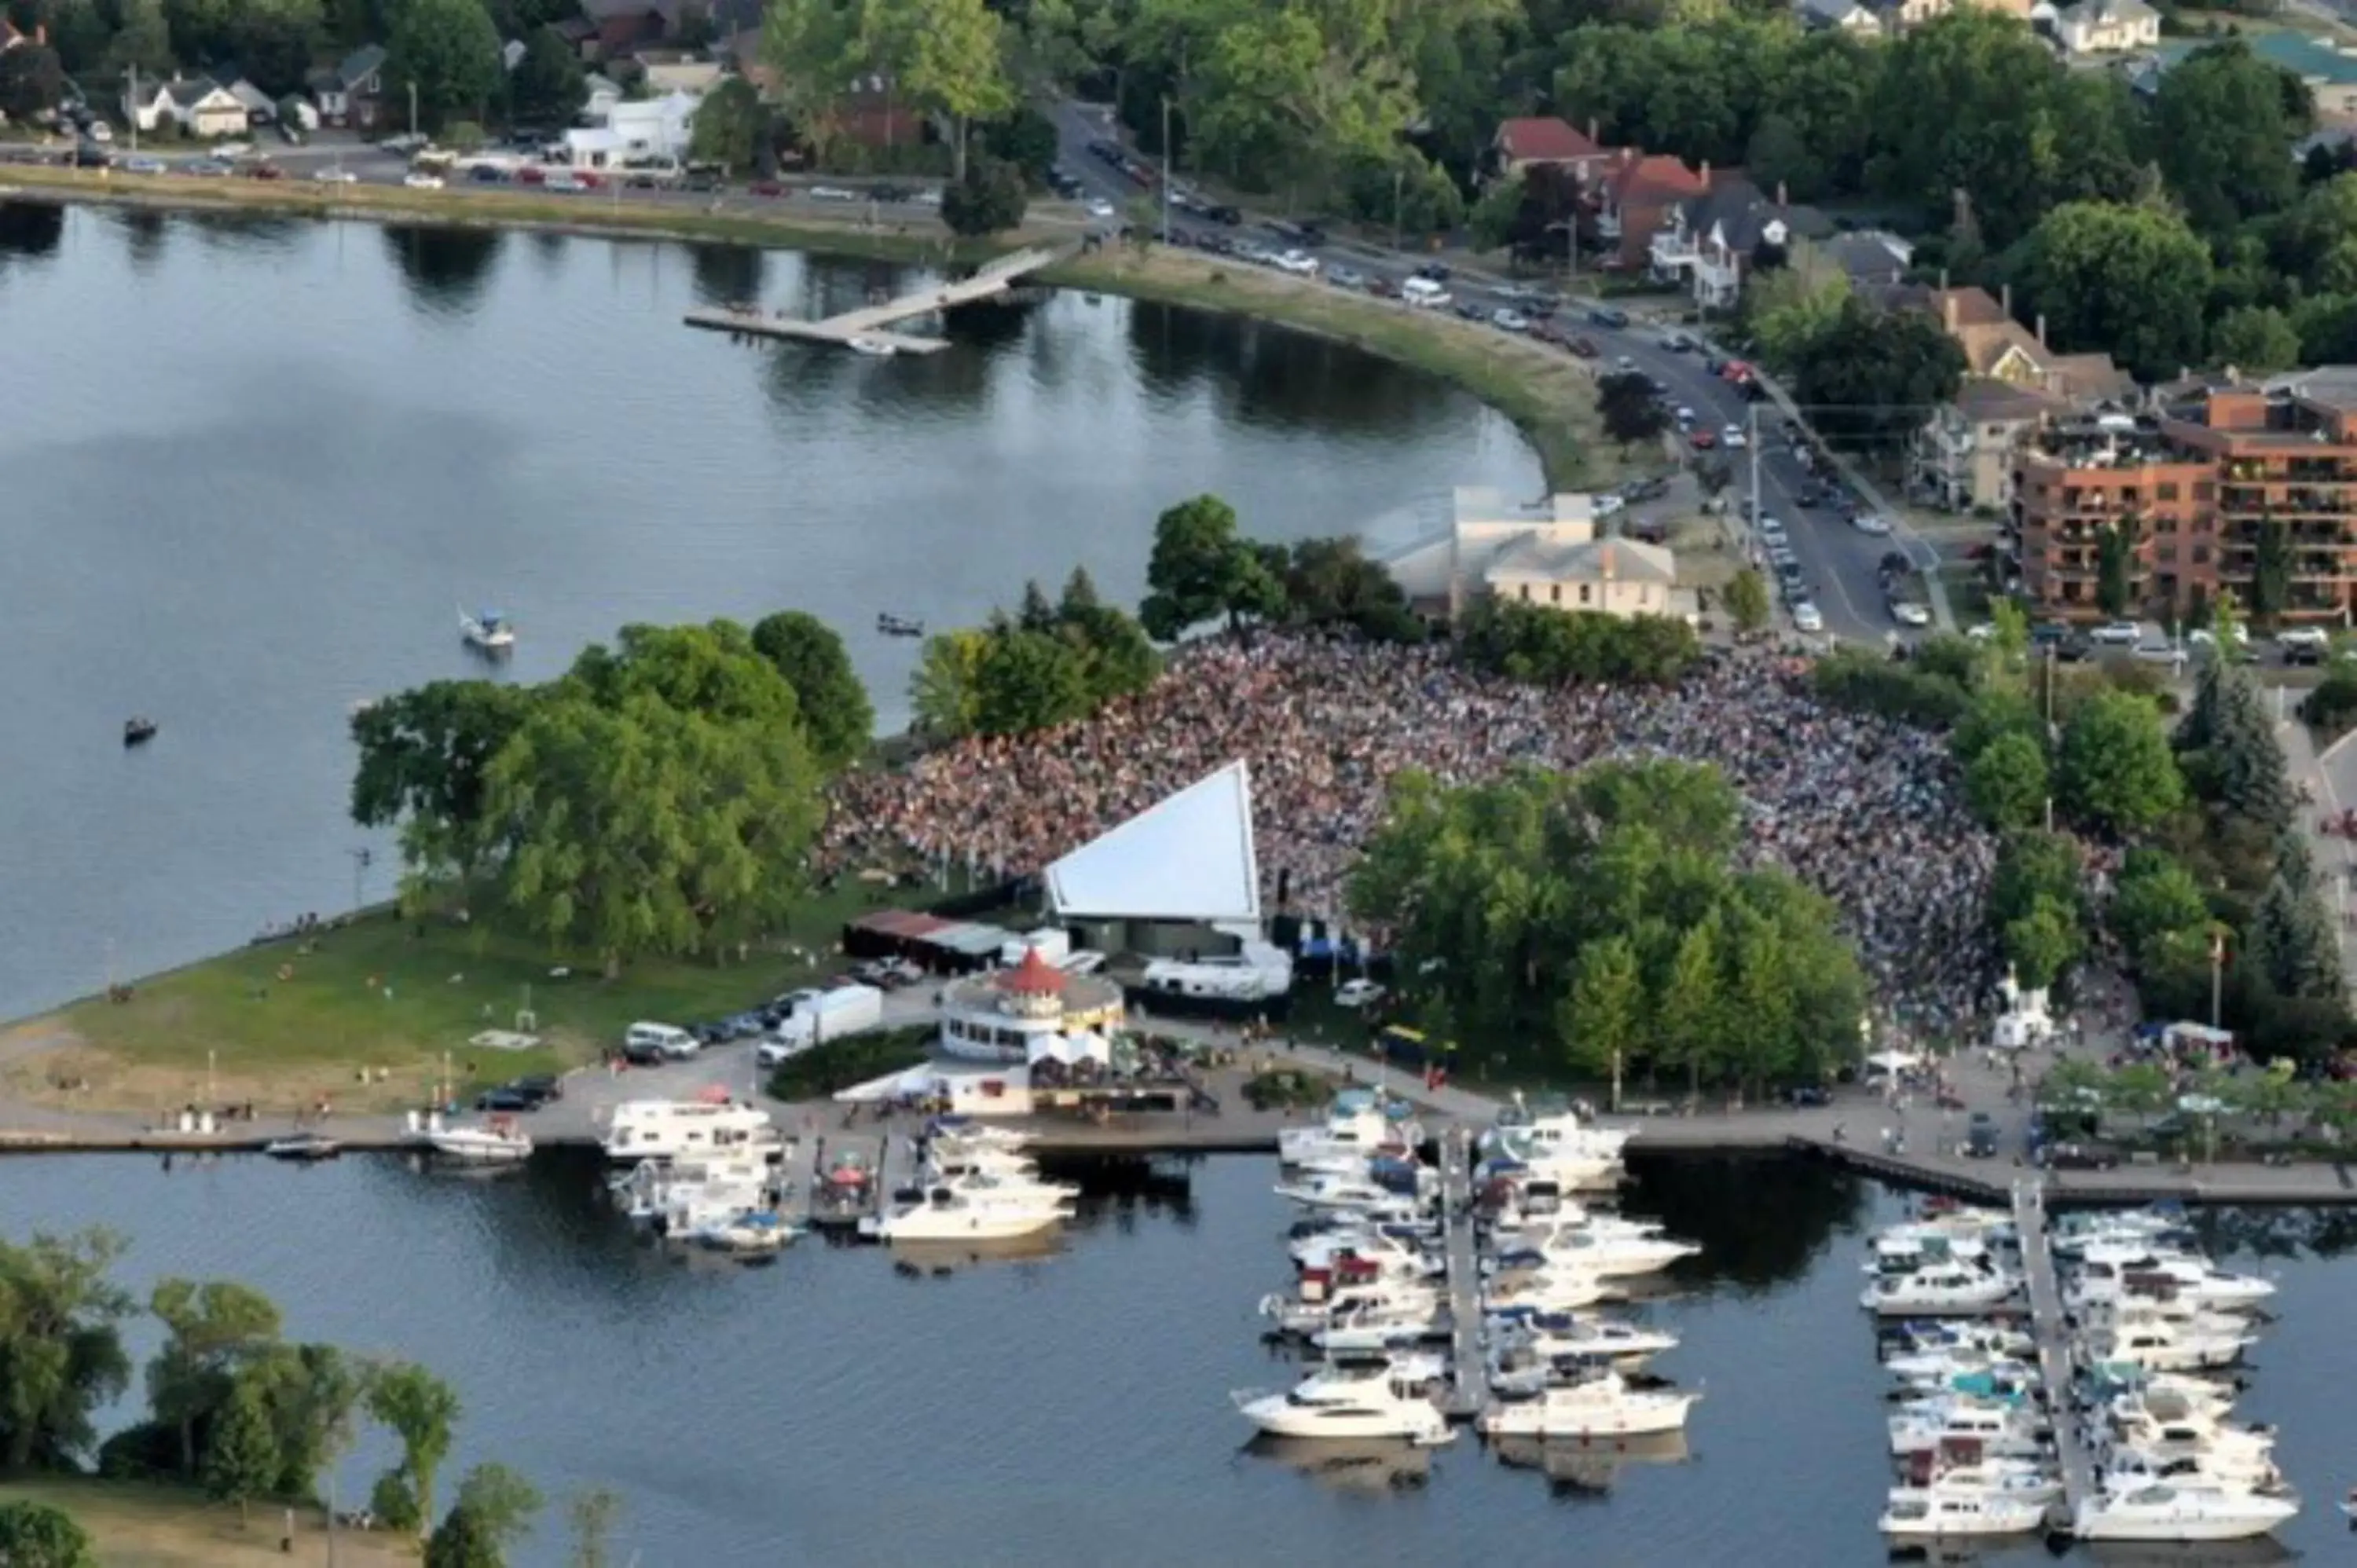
(2055, 1360)
(872, 323)
(1468, 1382)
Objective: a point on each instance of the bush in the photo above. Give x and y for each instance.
(1534, 643)
(1867, 683)
(2331, 709)
(823, 1069)
(1283, 1088)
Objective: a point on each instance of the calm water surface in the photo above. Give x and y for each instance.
(830, 1409)
(253, 465)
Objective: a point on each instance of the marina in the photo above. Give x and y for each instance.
(867, 330)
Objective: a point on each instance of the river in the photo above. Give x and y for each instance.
(256, 463)
(831, 1409)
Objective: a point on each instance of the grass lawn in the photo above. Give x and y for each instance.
(137, 1526)
(285, 1025)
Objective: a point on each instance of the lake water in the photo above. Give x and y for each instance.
(254, 464)
(1074, 1410)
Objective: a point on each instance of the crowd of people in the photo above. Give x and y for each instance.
(1861, 808)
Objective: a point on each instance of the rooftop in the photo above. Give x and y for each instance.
(1543, 138)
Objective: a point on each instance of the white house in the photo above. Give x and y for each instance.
(2107, 26)
(603, 94)
(636, 131)
(1543, 554)
(348, 93)
(197, 106)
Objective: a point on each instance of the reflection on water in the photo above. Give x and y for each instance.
(728, 275)
(1589, 1466)
(31, 229)
(446, 268)
(1366, 1466)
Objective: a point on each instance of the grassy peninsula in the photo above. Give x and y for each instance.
(137, 1525)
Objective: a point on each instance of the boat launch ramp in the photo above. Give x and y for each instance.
(870, 326)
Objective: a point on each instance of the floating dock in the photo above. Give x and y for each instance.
(1468, 1380)
(872, 324)
(2055, 1360)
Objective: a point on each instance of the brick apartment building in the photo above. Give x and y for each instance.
(2197, 487)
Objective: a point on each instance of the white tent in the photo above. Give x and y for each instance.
(1891, 1061)
(1188, 858)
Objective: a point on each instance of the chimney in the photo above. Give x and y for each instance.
(1782, 199)
(1705, 174)
(1947, 304)
(1593, 124)
(2005, 299)
(1943, 280)
(2041, 330)
(1628, 156)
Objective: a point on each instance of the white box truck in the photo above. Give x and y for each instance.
(829, 1016)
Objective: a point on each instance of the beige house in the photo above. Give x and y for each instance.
(1963, 457)
(1548, 553)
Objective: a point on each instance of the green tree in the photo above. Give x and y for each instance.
(2156, 899)
(423, 1413)
(32, 79)
(1874, 375)
(501, 1502)
(2041, 945)
(549, 85)
(2115, 563)
(988, 198)
(2221, 117)
(833, 703)
(2115, 770)
(2291, 936)
(275, 41)
(1632, 413)
(448, 51)
(1202, 567)
(1029, 680)
(1026, 138)
(2247, 760)
(312, 1393)
(211, 1328)
(1496, 218)
(424, 757)
(460, 1540)
(1747, 602)
(35, 1535)
(2255, 339)
(1332, 582)
(1788, 310)
(2008, 782)
(144, 42)
(2133, 281)
(1687, 1008)
(241, 1452)
(956, 65)
(945, 689)
(1603, 1016)
(592, 1514)
(61, 1356)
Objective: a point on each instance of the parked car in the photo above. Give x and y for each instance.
(833, 193)
(1605, 316)
(1809, 1095)
(1346, 277)
(1980, 1136)
(1807, 617)
(1358, 993)
(2117, 634)
(1583, 347)
(2080, 1156)
(769, 188)
(1703, 440)
(1868, 524)
(505, 1099)
(1300, 264)
(334, 176)
(1909, 613)
(426, 181)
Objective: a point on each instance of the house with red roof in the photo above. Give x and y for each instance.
(1637, 195)
(1547, 141)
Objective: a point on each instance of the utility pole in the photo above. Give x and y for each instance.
(361, 859)
(1751, 445)
(134, 110)
(1166, 168)
(2217, 974)
(1399, 193)
(412, 108)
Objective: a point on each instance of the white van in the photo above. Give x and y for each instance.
(642, 1042)
(1424, 294)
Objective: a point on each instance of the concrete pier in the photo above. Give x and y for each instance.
(872, 324)
(1469, 1376)
(2056, 1363)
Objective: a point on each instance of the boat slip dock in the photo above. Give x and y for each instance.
(1468, 1381)
(2055, 1362)
(871, 324)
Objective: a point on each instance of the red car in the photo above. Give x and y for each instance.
(1703, 440)
(532, 173)
(766, 188)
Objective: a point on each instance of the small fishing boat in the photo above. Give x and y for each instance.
(302, 1147)
(874, 348)
(899, 625)
(488, 631)
(749, 1234)
(138, 732)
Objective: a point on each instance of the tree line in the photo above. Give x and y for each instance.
(659, 798)
(1604, 915)
(2200, 820)
(233, 1406)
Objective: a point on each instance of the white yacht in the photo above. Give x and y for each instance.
(1370, 1326)
(648, 1187)
(2021, 1479)
(1373, 1401)
(1959, 1338)
(1939, 1512)
(1941, 1365)
(2107, 1279)
(2198, 1435)
(1948, 1287)
(1999, 1430)
(971, 1210)
(1393, 1249)
(2127, 1469)
(497, 1142)
(1548, 1127)
(1350, 1194)
(749, 1233)
(1357, 1126)
(1912, 1247)
(1604, 1406)
(1297, 1314)
(1544, 1291)
(2171, 1513)
(1605, 1254)
(488, 631)
(674, 1129)
(1556, 1337)
(2169, 1346)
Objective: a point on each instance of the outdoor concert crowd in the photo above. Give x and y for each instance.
(1863, 809)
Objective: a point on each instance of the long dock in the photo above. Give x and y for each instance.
(1469, 1379)
(2055, 1360)
(871, 324)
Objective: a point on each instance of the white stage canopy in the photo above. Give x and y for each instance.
(1189, 858)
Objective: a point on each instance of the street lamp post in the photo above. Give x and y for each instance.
(1166, 168)
(1399, 195)
(412, 109)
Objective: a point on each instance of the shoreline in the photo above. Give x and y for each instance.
(1546, 393)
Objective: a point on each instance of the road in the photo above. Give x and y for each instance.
(1839, 564)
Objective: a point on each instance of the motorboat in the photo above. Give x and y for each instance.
(2124, 1469)
(1369, 1327)
(2169, 1346)
(2002, 1429)
(1512, 1156)
(1603, 1406)
(1004, 1179)
(1345, 1401)
(1947, 1288)
(1415, 1303)
(1559, 1337)
(1916, 1247)
(1394, 1249)
(1950, 1336)
(874, 348)
(1935, 1365)
(1357, 1195)
(2197, 1435)
(1938, 1512)
(1994, 1380)
(899, 625)
(1549, 1125)
(750, 1232)
(487, 630)
(1606, 1255)
(1358, 1123)
(302, 1147)
(138, 732)
(2172, 1512)
(2021, 1479)
(2107, 1281)
(493, 1143)
(1544, 1291)
(968, 1212)
(675, 1129)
